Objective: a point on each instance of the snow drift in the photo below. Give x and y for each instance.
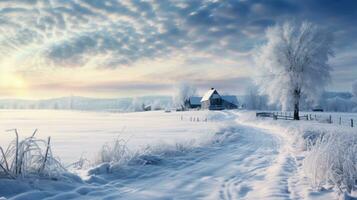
(329, 151)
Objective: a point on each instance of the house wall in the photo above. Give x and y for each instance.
(205, 104)
(212, 104)
(229, 105)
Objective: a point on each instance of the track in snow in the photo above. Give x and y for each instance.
(221, 171)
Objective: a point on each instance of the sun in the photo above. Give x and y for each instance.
(12, 81)
(13, 84)
(17, 83)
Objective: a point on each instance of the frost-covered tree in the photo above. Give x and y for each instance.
(354, 92)
(253, 100)
(183, 92)
(137, 105)
(294, 64)
(354, 88)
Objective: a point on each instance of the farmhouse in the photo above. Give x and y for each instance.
(212, 100)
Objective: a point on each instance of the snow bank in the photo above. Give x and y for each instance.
(329, 151)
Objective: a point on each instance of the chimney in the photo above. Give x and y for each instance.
(212, 88)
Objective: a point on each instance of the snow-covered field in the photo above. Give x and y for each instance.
(176, 155)
(75, 133)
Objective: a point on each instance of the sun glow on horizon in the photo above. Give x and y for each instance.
(13, 85)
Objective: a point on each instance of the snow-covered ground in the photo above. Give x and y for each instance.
(194, 155)
(74, 133)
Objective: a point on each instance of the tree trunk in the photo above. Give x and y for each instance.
(296, 104)
(296, 111)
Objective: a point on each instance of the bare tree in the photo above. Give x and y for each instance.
(294, 64)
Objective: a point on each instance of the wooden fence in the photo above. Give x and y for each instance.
(280, 115)
(315, 117)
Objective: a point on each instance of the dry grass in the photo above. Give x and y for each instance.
(29, 157)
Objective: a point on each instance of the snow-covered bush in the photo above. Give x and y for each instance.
(29, 157)
(332, 160)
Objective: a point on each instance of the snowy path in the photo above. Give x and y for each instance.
(224, 171)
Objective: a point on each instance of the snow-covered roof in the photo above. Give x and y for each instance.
(231, 99)
(208, 94)
(195, 100)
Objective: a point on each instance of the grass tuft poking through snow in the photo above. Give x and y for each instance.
(116, 154)
(332, 160)
(30, 157)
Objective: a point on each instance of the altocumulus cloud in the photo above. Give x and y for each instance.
(114, 33)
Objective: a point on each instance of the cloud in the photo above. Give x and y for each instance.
(104, 87)
(117, 33)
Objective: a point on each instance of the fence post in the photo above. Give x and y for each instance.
(351, 122)
(340, 121)
(310, 117)
(315, 118)
(330, 119)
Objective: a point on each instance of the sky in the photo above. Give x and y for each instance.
(120, 48)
